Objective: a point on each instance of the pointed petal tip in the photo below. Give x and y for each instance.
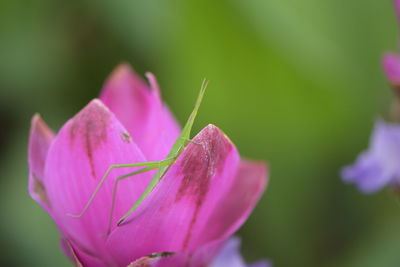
(123, 67)
(95, 105)
(40, 139)
(97, 102)
(93, 119)
(214, 130)
(39, 126)
(121, 70)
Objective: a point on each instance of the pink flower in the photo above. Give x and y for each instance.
(391, 61)
(205, 196)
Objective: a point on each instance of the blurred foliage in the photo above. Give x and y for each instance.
(295, 83)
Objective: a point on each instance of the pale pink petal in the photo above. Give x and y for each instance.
(238, 202)
(79, 156)
(175, 216)
(40, 139)
(141, 111)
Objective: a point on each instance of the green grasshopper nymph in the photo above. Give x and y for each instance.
(162, 166)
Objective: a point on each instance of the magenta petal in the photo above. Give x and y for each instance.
(176, 215)
(391, 65)
(141, 111)
(40, 139)
(66, 247)
(79, 156)
(239, 201)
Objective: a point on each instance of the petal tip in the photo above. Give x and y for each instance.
(95, 106)
(123, 67)
(40, 127)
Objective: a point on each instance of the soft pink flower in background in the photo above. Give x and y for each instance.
(205, 196)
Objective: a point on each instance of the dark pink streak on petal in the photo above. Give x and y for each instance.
(174, 215)
(39, 142)
(80, 155)
(92, 125)
(207, 155)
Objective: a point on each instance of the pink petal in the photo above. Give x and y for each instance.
(391, 65)
(237, 204)
(40, 139)
(176, 215)
(141, 110)
(69, 251)
(78, 158)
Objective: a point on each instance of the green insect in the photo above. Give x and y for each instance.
(162, 166)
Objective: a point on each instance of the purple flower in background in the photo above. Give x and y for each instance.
(379, 165)
(205, 196)
(230, 256)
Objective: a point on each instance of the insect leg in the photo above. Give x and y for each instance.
(155, 164)
(187, 141)
(114, 193)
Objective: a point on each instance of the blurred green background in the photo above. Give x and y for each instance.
(295, 83)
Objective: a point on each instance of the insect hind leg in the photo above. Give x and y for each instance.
(114, 193)
(155, 164)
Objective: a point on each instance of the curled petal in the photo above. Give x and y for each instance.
(141, 111)
(178, 211)
(378, 166)
(40, 139)
(78, 158)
